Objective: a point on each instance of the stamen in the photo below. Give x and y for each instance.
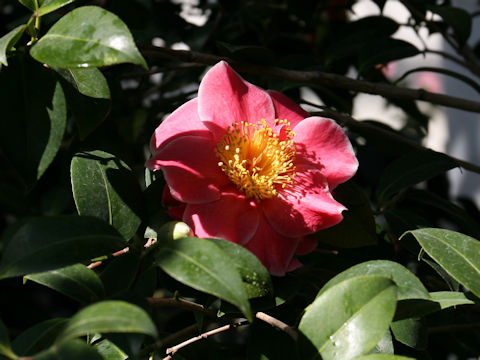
(255, 160)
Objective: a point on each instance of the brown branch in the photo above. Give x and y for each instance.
(95, 264)
(319, 78)
(277, 323)
(354, 124)
(171, 351)
(181, 303)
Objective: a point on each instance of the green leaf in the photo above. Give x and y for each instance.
(385, 345)
(439, 301)
(48, 6)
(256, 278)
(459, 19)
(202, 265)
(448, 299)
(8, 41)
(71, 350)
(76, 281)
(467, 80)
(410, 169)
(93, 36)
(357, 228)
(383, 357)
(411, 332)
(39, 337)
(34, 116)
(30, 4)
(5, 348)
(408, 285)
(108, 317)
(48, 243)
(88, 97)
(89, 82)
(104, 186)
(457, 253)
(348, 319)
(110, 351)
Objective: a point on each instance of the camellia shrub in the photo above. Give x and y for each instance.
(168, 192)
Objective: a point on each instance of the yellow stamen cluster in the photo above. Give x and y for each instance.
(256, 160)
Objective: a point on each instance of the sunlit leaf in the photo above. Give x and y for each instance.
(76, 281)
(348, 319)
(47, 6)
(105, 187)
(48, 243)
(108, 317)
(8, 41)
(255, 276)
(457, 253)
(201, 264)
(408, 285)
(93, 36)
(110, 351)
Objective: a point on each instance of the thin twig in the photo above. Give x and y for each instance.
(181, 303)
(171, 351)
(446, 55)
(319, 78)
(277, 323)
(95, 264)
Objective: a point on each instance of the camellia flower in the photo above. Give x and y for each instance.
(252, 167)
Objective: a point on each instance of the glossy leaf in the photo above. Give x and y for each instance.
(459, 19)
(48, 243)
(72, 350)
(457, 253)
(104, 186)
(385, 345)
(88, 97)
(408, 285)
(439, 300)
(348, 319)
(411, 332)
(8, 41)
(5, 348)
(89, 82)
(202, 265)
(410, 169)
(76, 281)
(255, 276)
(34, 116)
(357, 228)
(39, 337)
(47, 6)
(108, 317)
(122, 267)
(93, 36)
(110, 351)
(383, 357)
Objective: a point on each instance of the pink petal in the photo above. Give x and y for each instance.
(175, 208)
(190, 168)
(183, 120)
(286, 108)
(272, 249)
(306, 246)
(232, 217)
(305, 207)
(321, 141)
(225, 98)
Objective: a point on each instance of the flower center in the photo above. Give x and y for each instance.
(258, 161)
